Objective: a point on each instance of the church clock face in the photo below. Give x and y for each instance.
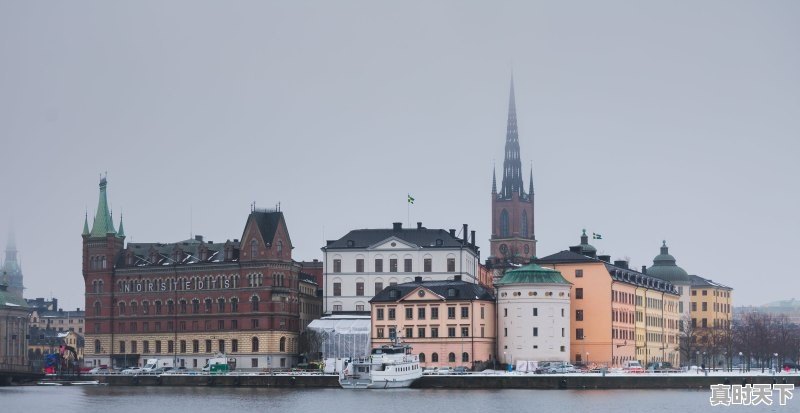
(503, 249)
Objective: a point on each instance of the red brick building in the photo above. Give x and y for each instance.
(187, 301)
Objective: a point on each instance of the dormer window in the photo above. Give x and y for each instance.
(451, 292)
(280, 248)
(253, 249)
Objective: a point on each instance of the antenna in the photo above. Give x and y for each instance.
(191, 218)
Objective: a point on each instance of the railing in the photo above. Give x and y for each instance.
(16, 368)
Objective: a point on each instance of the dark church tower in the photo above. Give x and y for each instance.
(513, 238)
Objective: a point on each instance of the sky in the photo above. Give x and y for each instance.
(642, 121)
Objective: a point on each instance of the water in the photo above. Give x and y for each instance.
(89, 399)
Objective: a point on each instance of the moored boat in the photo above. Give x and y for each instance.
(389, 366)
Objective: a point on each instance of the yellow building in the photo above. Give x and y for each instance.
(711, 312)
(618, 314)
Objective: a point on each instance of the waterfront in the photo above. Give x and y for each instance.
(89, 399)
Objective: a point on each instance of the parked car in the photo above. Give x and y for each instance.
(160, 370)
(561, 368)
(632, 366)
(132, 370)
(99, 370)
(444, 370)
(460, 370)
(661, 366)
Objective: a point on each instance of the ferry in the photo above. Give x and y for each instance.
(389, 366)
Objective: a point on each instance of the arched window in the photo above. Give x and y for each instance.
(255, 344)
(504, 232)
(182, 303)
(170, 307)
(282, 347)
(134, 307)
(253, 249)
(465, 357)
(208, 305)
(434, 357)
(524, 224)
(234, 304)
(195, 306)
(254, 303)
(121, 308)
(451, 357)
(280, 248)
(97, 347)
(220, 305)
(100, 283)
(421, 357)
(97, 308)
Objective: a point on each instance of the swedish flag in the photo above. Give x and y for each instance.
(596, 236)
(410, 199)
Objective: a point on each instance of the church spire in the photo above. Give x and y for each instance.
(530, 187)
(102, 224)
(121, 232)
(512, 167)
(494, 180)
(86, 223)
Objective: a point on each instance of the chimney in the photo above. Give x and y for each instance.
(397, 226)
(419, 225)
(644, 269)
(606, 258)
(198, 238)
(457, 277)
(418, 279)
(465, 233)
(453, 233)
(621, 264)
(472, 236)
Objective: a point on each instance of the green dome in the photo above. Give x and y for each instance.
(9, 299)
(664, 267)
(532, 274)
(586, 248)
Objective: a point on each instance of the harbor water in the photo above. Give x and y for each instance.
(125, 399)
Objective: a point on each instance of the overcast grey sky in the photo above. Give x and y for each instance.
(644, 121)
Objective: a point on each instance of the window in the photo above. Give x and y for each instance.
(578, 273)
(379, 314)
(535, 311)
(435, 332)
(254, 323)
(380, 332)
(254, 362)
(504, 224)
(421, 332)
(427, 265)
(705, 306)
(434, 357)
(280, 248)
(254, 303)
(694, 306)
(337, 289)
(97, 346)
(360, 288)
(195, 306)
(220, 305)
(183, 306)
(97, 308)
(234, 345)
(705, 292)
(524, 224)
(379, 265)
(578, 334)
(337, 307)
(451, 331)
(464, 331)
(195, 346)
(337, 265)
(694, 292)
(465, 357)
(393, 265)
(234, 305)
(391, 314)
(421, 357)
(282, 344)
(208, 305)
(409, 313)
(579, 293)
(451, 357)
(451, 312)
(378, 287)
(145, 307)
(121, 346)
(121, 308)
(421, 313)
(434, 313)
(220, 324)
(705, 323)
(536, 331)
(451, 265)
(208, 346)
(464, 312)
(158, 346)
(183, 346)
(170, 346)
(360, 265)
(409, 332)
(578, 315)
(562, 312)
(407, 265)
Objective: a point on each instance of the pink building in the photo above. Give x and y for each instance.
(448, 323)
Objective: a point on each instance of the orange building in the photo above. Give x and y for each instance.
(618, 314)
(448, 323)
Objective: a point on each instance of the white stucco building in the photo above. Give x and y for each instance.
(533, 315)
(365, 261)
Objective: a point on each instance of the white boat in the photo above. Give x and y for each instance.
(387, 367)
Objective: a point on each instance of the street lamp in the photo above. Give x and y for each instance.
(775, 369)
(741, 363)
(587, 358)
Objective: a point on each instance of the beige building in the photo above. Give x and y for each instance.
(448, 323)
(13, 331)
(533, 315)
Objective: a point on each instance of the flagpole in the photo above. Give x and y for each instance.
(408, 213)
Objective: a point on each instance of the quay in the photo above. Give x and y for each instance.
(469, 381)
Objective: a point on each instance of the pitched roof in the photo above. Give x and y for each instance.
(164, 253)
(463, 291)
(698, 281)
(422, 237)
(267, 222)
(564, 257)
